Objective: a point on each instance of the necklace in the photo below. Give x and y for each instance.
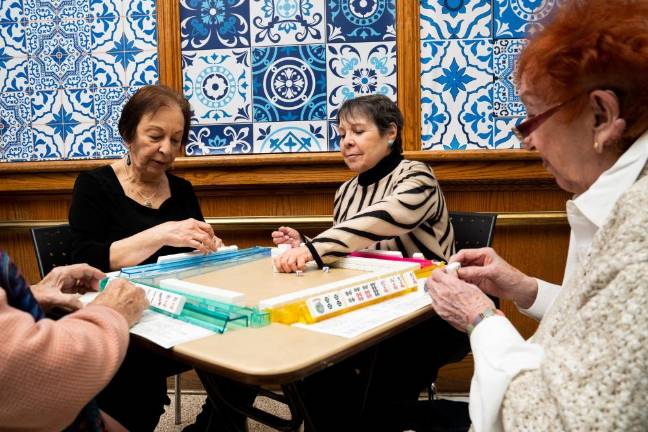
(148, 200)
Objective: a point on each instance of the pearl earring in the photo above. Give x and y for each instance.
(597, 146)
(390, 143)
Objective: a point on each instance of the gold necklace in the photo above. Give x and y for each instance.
(148, 200)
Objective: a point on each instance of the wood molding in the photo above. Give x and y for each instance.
(409, 75)
(169, 51)
(248, 223)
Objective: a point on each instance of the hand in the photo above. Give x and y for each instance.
(61, 286)
(484, 268)
(456, 301)
(287, 235)
(293, 260)
(124, 297)
(189, 233)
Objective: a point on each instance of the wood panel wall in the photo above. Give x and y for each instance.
(533, 236)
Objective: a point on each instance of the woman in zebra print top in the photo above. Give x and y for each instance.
(392, 204)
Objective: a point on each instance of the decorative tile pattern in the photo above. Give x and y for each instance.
(361, 20)
(290, 137)
(456, 88)
(213, 24)
(359, 69)
(462, 19)
(219, 139)
(520, 18)
(287, 22)
(505, 98)
(334, 136)
(66, 69)
(289, 83)
(217, 84)
(503, 137)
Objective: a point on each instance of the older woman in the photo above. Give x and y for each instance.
(392, 204)
(131, 212)
(584, 83)
(50, 370)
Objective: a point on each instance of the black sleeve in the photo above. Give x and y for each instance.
(89, 221)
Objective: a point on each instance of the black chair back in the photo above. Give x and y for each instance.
(472, 230)
(53, 245)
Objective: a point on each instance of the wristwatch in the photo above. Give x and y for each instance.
(482, 315)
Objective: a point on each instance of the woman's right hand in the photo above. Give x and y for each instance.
(287, 235)
(494, 276)
(124, 297)
(189, 233)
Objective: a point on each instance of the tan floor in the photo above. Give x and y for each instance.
(192, 403)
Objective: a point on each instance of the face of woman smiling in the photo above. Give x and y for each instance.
(156, 142)
(361, 144)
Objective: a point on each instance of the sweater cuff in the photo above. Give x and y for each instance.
(547, 293)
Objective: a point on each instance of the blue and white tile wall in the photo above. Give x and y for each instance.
(267, 76)
(66, 69)
(468, 53)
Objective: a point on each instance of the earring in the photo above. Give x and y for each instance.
(128, 161)
(390, 143)
(597, 146)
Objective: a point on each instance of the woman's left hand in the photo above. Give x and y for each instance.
(456, 301)
(293, 259)
(61, 286)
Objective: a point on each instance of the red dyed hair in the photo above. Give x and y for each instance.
(593, 44)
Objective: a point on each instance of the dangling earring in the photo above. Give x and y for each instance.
(597, 146)
(128, 161)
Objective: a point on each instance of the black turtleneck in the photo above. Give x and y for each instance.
(382, 168)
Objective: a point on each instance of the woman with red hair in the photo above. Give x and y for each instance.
(584, 82)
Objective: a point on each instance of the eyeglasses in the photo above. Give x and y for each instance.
(524, 129)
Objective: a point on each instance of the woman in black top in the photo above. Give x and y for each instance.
(130, 213)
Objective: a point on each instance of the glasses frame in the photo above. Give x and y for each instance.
(526, 128)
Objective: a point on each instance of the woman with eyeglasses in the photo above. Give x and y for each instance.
(584, 82)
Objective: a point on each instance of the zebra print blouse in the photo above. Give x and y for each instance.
(397, 205)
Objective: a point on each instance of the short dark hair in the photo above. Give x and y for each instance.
(379, 109)
(148, 100)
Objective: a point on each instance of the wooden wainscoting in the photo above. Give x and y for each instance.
(239, 194)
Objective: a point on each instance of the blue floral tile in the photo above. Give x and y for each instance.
(107, 72)
(360, 69)
(15, 110)
(16, 144)
(287, 22)
(43, 106)
(289, 83)
(290, 137)
(80, 143)
(49, 142)
(105, 8)
(462, 19)
(520, 18)
(54, 72)
(109, 143)
(143, 69)
(11, 10)
(333, 136)
(503, 137)
(139, 8)
(213, 24)
(361, 20)
(456, 94)
(105, 31)
(217, 84)
(58, 37)
(506, 101)
(13, 73)
(108, 104)
(79, 103)
(12, 39)
(142, 29)
(219, 139)
(66, 9)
